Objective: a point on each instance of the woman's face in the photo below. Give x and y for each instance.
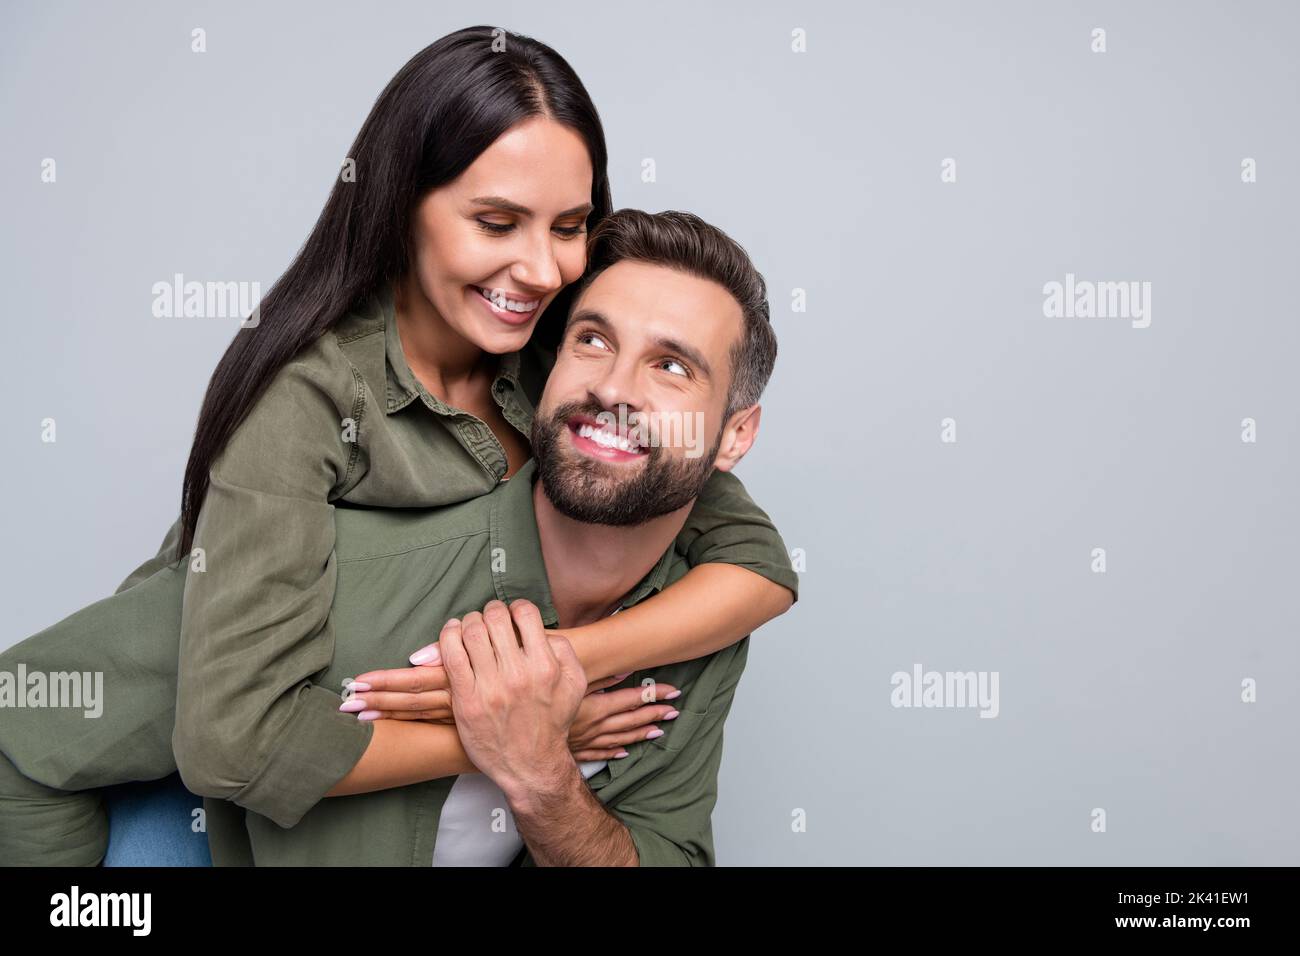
(494, 246)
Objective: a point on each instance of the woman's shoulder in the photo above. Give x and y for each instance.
(338, 361)
(320, 371)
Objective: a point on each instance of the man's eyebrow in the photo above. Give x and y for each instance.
(506, 205)
(688, 352)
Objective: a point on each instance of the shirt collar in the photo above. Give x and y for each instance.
(518, 569)
(402, 387)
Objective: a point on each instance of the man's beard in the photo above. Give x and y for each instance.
(592, 491)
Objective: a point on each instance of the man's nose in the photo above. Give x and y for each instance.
(617, 386)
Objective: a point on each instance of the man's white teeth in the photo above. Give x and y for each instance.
(607, 439)
(498, 298)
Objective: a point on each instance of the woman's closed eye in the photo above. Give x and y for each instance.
(502, 228)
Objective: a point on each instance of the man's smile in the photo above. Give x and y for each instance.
(595, 440)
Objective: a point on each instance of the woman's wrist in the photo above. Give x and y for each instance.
(586, 648)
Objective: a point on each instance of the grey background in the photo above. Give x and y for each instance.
(1119, 691)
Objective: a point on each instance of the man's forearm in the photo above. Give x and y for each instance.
(403, 752)
(565, 825)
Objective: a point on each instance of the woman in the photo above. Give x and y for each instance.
(396, 363)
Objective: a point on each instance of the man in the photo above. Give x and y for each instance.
(671, 324)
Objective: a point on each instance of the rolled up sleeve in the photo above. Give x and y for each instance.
(251, 726)
(725, 526)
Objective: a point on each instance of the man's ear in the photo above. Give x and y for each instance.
(737, 437)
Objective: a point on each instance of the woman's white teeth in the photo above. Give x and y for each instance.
(608, 439)
(498, 298)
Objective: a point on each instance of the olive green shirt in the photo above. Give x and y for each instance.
(238, 697)
(403, 574)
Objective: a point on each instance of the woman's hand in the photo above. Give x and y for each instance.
(607, 721)
(404, 693)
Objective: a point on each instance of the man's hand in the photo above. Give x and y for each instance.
(514, 698)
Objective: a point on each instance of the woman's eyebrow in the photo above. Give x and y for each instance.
(500, 202)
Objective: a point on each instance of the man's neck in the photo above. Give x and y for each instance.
(592, 567)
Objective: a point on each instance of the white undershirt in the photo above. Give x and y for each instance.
(476, 827)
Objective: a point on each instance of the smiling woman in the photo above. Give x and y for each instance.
(396, 364)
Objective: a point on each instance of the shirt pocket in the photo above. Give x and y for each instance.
(679, 731)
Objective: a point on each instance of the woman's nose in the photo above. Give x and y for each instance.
(537, 269)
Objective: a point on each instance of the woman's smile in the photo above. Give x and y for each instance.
(507, 308)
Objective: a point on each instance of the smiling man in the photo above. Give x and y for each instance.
(671, 322)
(649, 337)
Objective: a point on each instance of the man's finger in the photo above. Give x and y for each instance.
(456, 660)
(531, 629)
(478, 645)
(501, 632)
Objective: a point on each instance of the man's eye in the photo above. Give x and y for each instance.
(674, 366)
(591, 338)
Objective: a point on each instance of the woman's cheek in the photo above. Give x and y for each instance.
(575, 262)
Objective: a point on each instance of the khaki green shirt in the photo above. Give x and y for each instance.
(346, 423)
(401, 575)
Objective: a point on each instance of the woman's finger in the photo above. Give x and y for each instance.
(393, 701)
(625, 738)
(615, 753)
(629, 698)
(431, 716)
(427, 656)
(604, 682)
(408, 680)
(631, 719)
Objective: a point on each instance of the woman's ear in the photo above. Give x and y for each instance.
(737, 437)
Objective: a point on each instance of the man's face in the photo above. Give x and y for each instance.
(631, 422)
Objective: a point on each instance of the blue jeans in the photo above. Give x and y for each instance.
(152, 824)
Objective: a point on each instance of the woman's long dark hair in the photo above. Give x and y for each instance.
(443, 108)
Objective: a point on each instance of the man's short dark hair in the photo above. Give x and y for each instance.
(680, 240)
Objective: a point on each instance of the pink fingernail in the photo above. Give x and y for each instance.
(673, 696)
(359, 685)
(353, 705)
(368, 715)
(654, 733)
(621, 753)
(623, 676)
(427, 655)
(670, 715)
